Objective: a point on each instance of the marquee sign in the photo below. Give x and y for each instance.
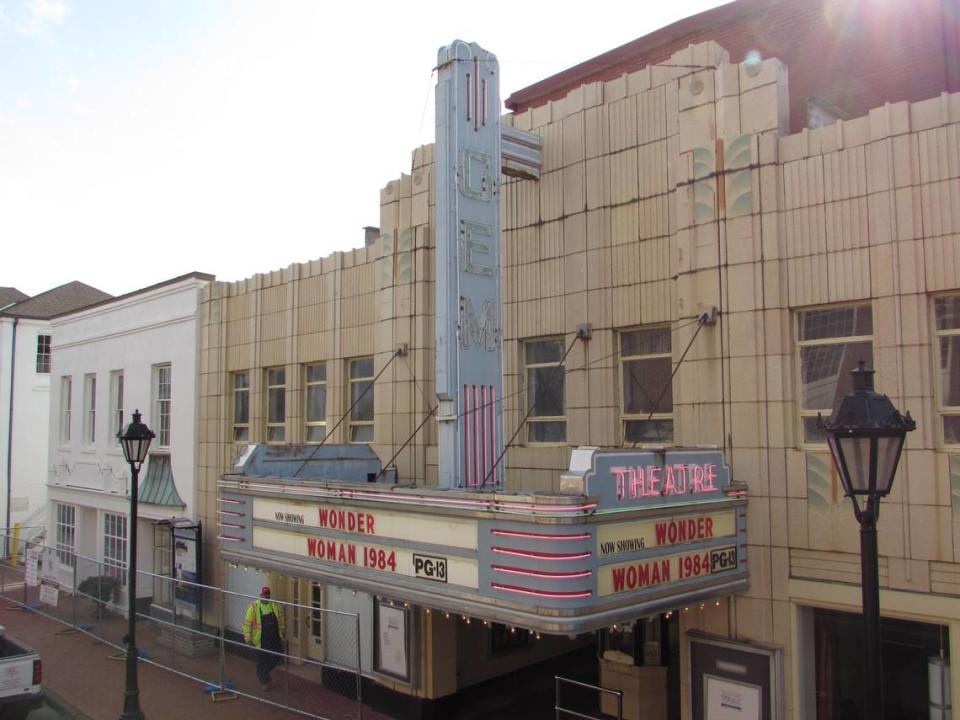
(625, 538)
(580, 574)
(383, 558)
(468, 325)
(380, 524)
(632, 479)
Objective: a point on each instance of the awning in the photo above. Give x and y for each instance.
(157, 486)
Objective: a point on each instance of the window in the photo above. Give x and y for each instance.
(89, 409)
(276, 404)
(116, 404)
(315, 382)
(115, 546)
(545, 387)
(947, 315)
(361, 393)
(43, 353)
(241, 406)
(66, 534)
(162, 404)
(66, 405)
(645, 370)
(830, 343)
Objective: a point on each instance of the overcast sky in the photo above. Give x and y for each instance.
(144, 139)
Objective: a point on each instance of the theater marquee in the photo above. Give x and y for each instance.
(636, 533)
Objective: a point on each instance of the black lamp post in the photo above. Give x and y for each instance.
(866, 434)
(135, 441)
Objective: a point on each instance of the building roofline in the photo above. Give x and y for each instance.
(12, 310)
(643, 47)
(196, 275)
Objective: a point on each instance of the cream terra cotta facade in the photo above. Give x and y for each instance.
(664, 192)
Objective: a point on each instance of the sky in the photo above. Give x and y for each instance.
(145, 139)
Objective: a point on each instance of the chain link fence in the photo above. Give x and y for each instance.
(90, 596)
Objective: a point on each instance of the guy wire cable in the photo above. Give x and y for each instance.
(343, 417)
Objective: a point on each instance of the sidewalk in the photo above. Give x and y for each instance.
(77, 668)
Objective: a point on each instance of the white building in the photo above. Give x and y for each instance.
(25, 353)
(135, 352)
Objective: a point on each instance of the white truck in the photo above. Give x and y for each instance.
(20, 674)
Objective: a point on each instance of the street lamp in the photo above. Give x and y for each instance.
(866, 434)
(135, 441)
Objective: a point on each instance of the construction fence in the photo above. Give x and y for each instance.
(90, 596)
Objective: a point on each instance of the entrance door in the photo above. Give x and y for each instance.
(314, 640)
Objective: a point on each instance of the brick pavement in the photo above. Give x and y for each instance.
(78, 669)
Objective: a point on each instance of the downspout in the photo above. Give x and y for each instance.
(13, 367)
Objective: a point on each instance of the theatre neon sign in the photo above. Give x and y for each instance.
(631, 479)
(644, 481)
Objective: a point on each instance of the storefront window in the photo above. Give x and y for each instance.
(636, 643)
(906, 649)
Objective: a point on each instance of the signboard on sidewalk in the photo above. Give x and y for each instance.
(49, 593)
(32, 566)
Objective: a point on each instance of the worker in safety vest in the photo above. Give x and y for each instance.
(263, 628)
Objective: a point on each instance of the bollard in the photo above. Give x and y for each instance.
(15, 546)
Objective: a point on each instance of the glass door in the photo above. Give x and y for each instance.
(314, 649)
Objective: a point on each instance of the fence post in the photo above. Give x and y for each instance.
(75, 591)
(359, 671)
(26, 552)
(223, 641)
(556, 696)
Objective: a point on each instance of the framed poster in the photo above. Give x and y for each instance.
(186, 570)
(731, 680)
(731, 700)
(393, 641)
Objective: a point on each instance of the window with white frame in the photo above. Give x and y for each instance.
(315, 402)
(162, 403)
(116, 404)
(89, 409)
(66, 407)
(830, 343)
(115, 546)
(276, 405)
(947, 319)
(43, 353)
(241, 406)
(545, 373)
(645, 378)
(66, 531)
(361, 400)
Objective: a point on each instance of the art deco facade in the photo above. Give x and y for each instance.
(725, 275)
